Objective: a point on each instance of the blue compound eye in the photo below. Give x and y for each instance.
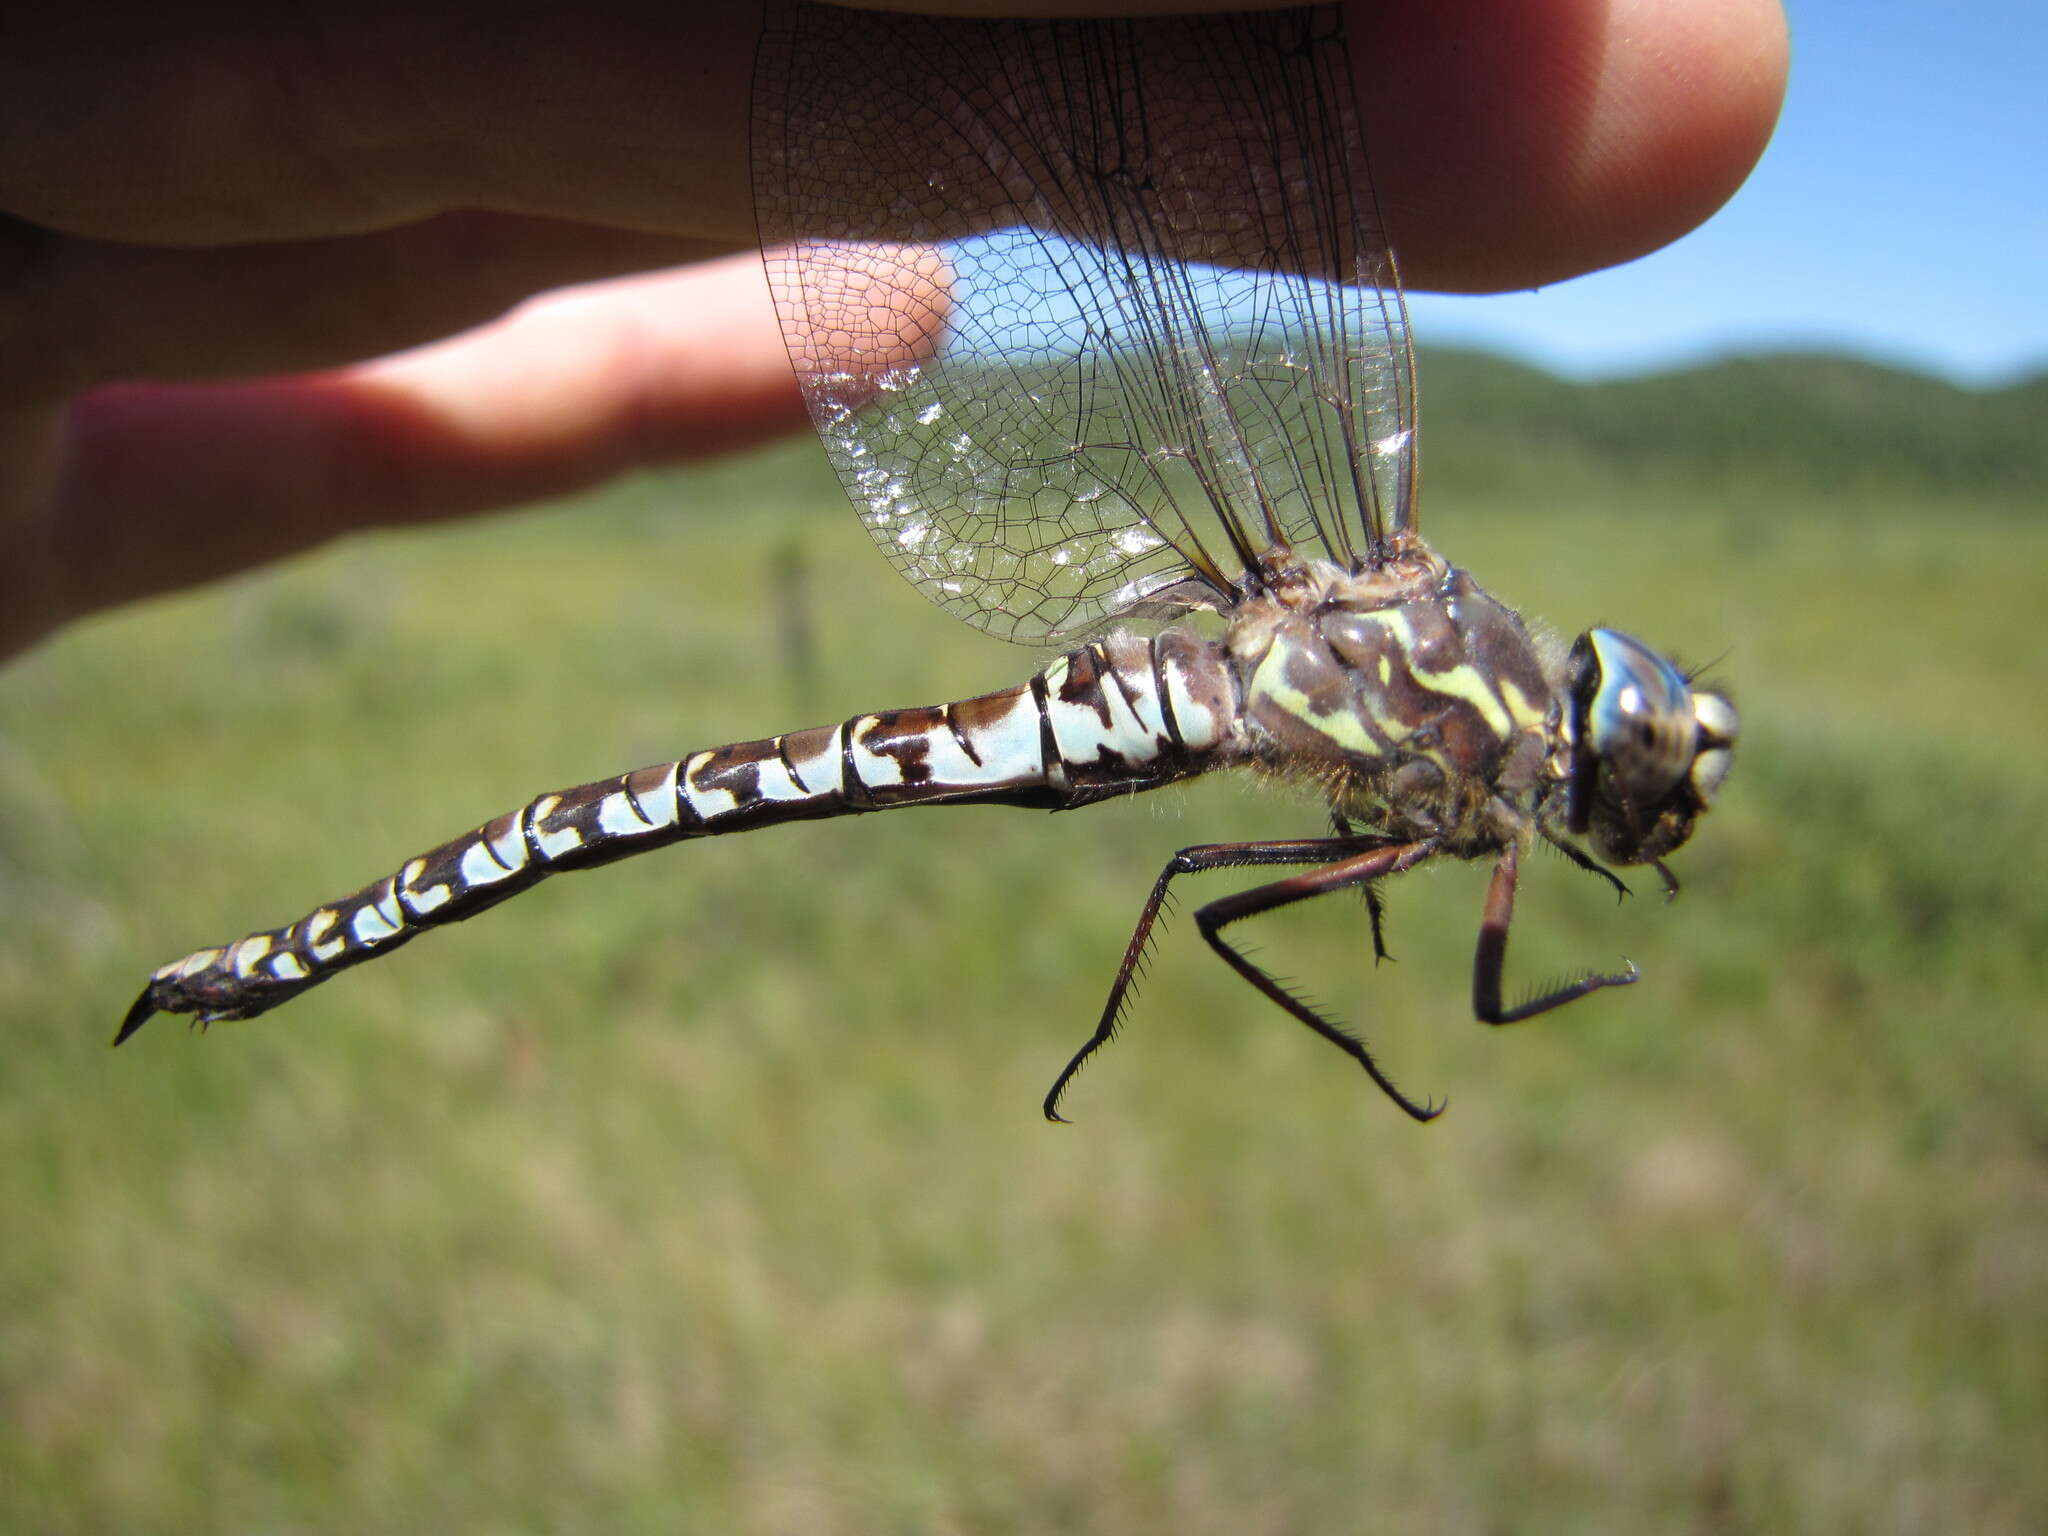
(1639, 719)
(1648, 752)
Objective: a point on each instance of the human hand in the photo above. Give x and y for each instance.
(255, 269)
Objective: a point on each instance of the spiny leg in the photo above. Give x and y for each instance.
(1360, 869)
(1489, 960)
(1590, 865)
(1375, 903)
(1193, 861)
(1376, 912)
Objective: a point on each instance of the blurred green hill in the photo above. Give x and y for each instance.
(1790, 420)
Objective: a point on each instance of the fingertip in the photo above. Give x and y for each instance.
(1518, 144)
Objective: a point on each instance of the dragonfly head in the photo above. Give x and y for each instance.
(1649, 750)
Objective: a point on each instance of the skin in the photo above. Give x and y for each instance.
(283, 273)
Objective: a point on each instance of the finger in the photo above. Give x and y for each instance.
(1521, 143)
(245, 121)
(85, 312)
(1514, 141)
(562, 394)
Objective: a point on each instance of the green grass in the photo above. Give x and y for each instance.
(709, 1192)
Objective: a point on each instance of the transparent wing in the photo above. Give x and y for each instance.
(1088, 314)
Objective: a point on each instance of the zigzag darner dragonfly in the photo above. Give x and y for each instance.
(1098, 325)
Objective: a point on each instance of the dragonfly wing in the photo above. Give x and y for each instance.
(1089, 314)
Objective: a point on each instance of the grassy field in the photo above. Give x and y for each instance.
(709, 1192)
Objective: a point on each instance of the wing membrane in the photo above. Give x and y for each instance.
(1088, 314)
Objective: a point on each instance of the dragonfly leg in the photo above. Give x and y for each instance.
(1359, 869)
(1590, 865)
(1375, 903)
(1376, 910)
(1193, 861)
(1490, 959)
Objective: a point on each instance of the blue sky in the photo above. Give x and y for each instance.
(1900, 212)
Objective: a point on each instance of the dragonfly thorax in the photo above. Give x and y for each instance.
(1417, 703)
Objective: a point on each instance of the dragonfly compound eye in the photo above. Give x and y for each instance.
(1649, 752)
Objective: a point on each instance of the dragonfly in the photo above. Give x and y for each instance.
(1100, 327)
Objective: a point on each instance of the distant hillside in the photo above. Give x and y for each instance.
(1796, 421)
(1812, 419)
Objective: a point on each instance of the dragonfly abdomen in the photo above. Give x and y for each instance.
(1124, 714)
